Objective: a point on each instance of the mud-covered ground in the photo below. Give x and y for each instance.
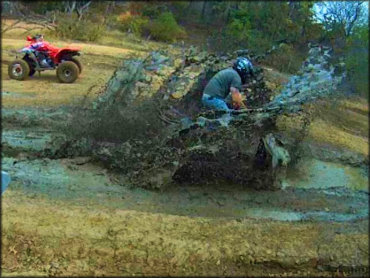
(73, 217)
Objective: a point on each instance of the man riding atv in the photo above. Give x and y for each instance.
(223, 90)
(39, 55)
(37, 43)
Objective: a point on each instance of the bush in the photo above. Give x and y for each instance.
(227, 40)
(69, 27)
(165, 28)
(220, 42)
(239, 28)
(132, 23)
(357, 61)
(258, 42)
(148, 8)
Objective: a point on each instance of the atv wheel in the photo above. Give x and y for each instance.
(19, 70)
(67, 72)
(78, 63)
(30, 63)
(32, 72)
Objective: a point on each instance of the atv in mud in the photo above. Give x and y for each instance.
(39, 56)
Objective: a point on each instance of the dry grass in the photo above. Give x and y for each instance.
(88, 239)
(342, 123)
(113, 38)
(21, 29)
(99, 62)
(321, 131)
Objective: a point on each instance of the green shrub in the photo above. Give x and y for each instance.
(227, 40)
(132, 23)
(239, 28)
(258, 42)
(154, 10)
(42, 7)
(69, 27)
(165, 28)
(357, 61)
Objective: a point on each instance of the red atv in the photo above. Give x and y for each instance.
(39, 55)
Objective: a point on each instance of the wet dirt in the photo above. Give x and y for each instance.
(73, 217)
(71, 213)
(313, 189)
(312, 199)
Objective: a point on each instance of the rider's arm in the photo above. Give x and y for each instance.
(37, 45)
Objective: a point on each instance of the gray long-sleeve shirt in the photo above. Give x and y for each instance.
(219, 85)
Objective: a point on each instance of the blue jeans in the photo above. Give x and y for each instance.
(214, 103)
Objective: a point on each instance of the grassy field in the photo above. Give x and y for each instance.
(342, 123)
(99, 60)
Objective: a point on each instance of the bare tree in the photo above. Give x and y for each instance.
(24, 14)
(340, 16)
(80, 7)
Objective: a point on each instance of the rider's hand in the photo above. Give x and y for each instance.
(236, 106)
(238, 101)
(236, 97)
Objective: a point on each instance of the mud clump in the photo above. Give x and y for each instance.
(317, 77)
(194, 155)
(167, 137)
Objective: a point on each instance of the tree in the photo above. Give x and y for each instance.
(23, 12)
(340, 16)
(357, 60)
(79, 6)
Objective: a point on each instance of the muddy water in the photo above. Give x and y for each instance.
(319, 191)
(27, 140)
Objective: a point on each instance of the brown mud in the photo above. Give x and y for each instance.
(73, 217)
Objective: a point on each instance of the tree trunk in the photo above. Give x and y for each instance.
(204, 9)
(70, 6)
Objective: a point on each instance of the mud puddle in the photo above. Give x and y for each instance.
(314, 190)
(17, 95)
(26, 139)
(35, 117)
(313, 173)
(76, 180)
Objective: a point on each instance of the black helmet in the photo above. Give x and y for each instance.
(243, 66)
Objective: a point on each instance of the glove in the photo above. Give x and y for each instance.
(237, 101)
(236, 97)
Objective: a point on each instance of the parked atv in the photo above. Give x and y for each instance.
(39, 55)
